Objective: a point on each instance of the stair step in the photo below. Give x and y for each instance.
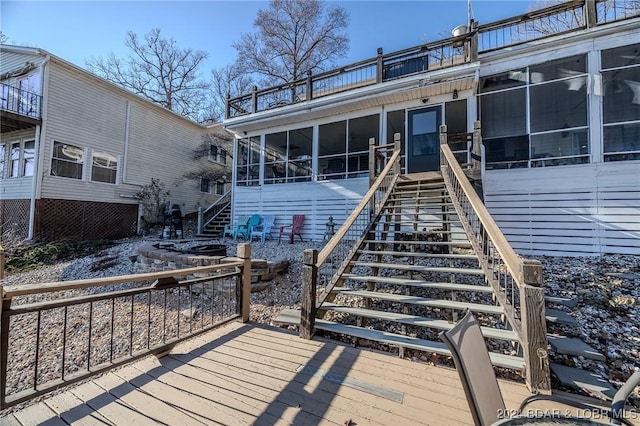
(559, 300)
(420, 268)
(422, 254)
(559, 317)
(586, 381)
(500, 360)
(419, 283)
(574, 347)
(288, 317)
(421, 301)
(458, 244)
(491, 333)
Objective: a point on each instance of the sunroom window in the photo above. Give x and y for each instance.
(67, 160)
(344, 147)
(3, 153)
(288, 156)
(536, 116)
(104, 168)
(22, 158)
(248, 162)
(621, 103)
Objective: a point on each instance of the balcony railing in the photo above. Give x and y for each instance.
(20, 102)
(555, 20)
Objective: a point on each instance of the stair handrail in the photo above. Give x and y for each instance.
(325, 268)
(516, 282)
(210, 214)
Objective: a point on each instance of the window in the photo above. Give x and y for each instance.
(220, 188)
(22, 158)
(248, 161)
(288, 156)
(67, 160)
(28, 90)
(344, 147)
(104, 168)
(205, 185)
(621, 103)
(536, 116)
(3, 153)
(217, 154)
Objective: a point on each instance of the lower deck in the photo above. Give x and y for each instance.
(254, 374)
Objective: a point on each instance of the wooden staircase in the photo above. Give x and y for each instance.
(214, 227)
(413, 276)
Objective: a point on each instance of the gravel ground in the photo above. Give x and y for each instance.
(607, 289)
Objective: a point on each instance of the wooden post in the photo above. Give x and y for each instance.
(379, 66)
(244, 253)
(254, 99)
(309, 86)
(397, 146)
(4, 345)
(590, 14)
(309, 280)
(534, 328)
(443, 141)
(1, 264)
(473, 42)
(372, 161)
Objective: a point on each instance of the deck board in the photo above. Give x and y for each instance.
(253, 374)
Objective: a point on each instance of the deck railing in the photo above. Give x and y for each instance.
(322, 271)
(19, 101)
(55, 334)
(555, 20)
(1, 263)
(384, 67)
(516, 282)
(210, 214)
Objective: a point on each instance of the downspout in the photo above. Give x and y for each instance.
(36, 186)
(125, 156)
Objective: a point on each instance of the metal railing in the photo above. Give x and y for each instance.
(555, 20)
(322, 271)
(384, 67)
(55, 334)
(210, 214)
(19, 101)
(516, 282)
(1, 263)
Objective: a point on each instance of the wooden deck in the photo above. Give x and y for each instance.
(254, 374)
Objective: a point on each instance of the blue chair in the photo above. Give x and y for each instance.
(230, 228)
(243, 230)
(263, 230)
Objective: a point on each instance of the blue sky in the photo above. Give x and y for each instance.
(79, 30)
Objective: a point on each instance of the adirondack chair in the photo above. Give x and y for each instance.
(230, 228)
(243, 230)
(295, 227)
(263, 230)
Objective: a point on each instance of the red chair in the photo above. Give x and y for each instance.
(295, 227)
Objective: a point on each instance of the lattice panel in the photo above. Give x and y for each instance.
(84, 220)
(14, 220)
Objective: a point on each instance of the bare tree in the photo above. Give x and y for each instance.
(228, 80)
(159, 71)
(3, 38)
(293, 37)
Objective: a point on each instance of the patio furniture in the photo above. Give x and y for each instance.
(471, 357)
(295, 228)
(243, 230)
(263, 230)
(231, 227)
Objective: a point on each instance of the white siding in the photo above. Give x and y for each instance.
(84, 111)
(12, 61)
(576, 210)
(316, 200)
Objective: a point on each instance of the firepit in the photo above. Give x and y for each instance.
(208, 250)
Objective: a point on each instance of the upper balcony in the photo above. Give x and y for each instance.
(19, 109)
(465, 47)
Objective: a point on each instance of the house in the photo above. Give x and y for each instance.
(75, 150)
(555, 94)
